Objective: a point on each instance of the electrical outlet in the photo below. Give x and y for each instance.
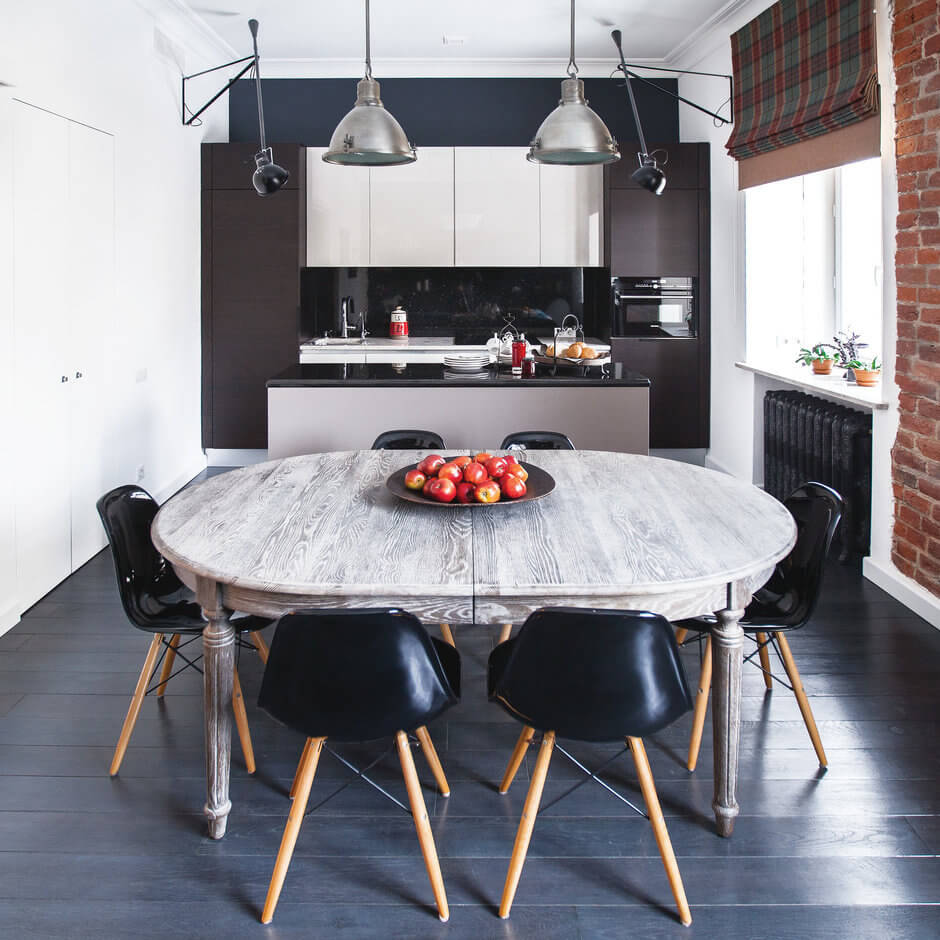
(140, 473)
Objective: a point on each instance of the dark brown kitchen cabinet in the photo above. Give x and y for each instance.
(252, 251)
(668, 235)
(654, 234)
(678, 408)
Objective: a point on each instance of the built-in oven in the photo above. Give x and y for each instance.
(662, 307)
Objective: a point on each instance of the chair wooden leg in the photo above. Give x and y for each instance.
(655, 813)
(447, 635)
(241, 721)
(793, 674)
(168, 661)
(134, 709)
(515, 762)
(300, 764)
(701, 705)
(434, 762)
(260, 646)
(505, 633)
(305, 772)
(422, 825)
(524, 834)
(765, 661)
(681, 634)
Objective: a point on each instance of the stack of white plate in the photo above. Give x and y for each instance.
(461, 375)
(466, 362)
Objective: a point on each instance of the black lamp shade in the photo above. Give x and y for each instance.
(650, 176)
(268, 177)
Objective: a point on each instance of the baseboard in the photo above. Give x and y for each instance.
(195, 467)
(234, 458)
(9, 618)
(692, 455)
(903, 589)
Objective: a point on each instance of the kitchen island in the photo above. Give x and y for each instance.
(344, 406)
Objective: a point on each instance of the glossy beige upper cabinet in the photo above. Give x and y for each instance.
(412, 211)
(496, 203)
(337, 213)
(571, 215)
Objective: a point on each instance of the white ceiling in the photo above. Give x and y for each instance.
(498, 31)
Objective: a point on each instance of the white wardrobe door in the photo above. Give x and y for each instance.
(571, 215)
(337, 213)
(91, 310)
(41, 335)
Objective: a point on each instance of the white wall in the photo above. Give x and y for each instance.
(97, 64)
(735, 426)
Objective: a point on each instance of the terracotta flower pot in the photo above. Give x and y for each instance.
(867, 377)
(822, 366)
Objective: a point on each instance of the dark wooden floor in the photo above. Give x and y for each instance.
(852, 853)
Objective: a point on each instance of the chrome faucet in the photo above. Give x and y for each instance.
(363, 332)
(347, 308)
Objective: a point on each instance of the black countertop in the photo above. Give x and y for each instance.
(434, 374)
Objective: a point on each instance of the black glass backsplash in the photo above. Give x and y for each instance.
(469, 302)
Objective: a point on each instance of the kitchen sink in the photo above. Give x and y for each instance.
(340, 341)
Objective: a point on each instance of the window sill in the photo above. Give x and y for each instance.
(829, 386)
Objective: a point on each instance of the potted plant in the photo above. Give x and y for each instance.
(817, 357)
(866, 371)
(846, 346)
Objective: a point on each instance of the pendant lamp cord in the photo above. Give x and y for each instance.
(368, 45)
(572, 65)
(253, 26)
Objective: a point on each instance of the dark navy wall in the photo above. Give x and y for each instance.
(446, 112)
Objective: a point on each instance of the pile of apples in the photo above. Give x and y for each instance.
(480, 479)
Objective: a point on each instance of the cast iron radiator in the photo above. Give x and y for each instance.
(808, 438)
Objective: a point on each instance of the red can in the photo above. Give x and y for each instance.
(398, 325)
(518, 352)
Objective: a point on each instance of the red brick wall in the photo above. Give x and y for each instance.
(916, 454)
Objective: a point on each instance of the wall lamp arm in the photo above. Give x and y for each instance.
(252, 62)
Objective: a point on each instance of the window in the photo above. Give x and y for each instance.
(813, 260)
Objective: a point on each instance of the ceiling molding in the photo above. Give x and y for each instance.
(699, 42)
(440, 67)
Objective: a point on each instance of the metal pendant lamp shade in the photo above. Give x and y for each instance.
(368, 135)
(573, 134)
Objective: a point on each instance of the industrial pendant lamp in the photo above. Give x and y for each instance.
(573, 134)
(648, 175)
(369, 135)
(268, 177)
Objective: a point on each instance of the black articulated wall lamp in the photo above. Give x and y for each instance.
(649, 175)
(268, 176)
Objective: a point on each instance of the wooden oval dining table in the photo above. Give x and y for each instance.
(619, 531)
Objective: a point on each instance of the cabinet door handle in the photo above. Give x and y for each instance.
(65, 378)
(78, 375)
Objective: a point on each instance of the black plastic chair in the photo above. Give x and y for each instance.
(357, 676)
(589, 675)
(537, 440)
(786, 602)
(157, 602)
(408, 440)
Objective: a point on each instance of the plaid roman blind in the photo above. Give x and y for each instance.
(802, 69)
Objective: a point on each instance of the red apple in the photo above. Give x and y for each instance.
(474, 473)
(510, 460)
(518, 471)
(450, 471)
(431, 464)
(482, 457)
(443, 491)
(426, 489)
(462, 461)
(415, 479)
(512, 486)
(465, 492)
(496, 467)
(487, 492)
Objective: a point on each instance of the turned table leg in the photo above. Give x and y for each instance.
(218, 641)
(727, 645)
